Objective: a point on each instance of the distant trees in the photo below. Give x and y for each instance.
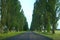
(45, 15)
(12, 17)
(25, 27)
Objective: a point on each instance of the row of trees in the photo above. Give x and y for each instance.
(12, 17)
(45, 15)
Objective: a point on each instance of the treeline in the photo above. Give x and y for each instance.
(45, 15)
(12, 16)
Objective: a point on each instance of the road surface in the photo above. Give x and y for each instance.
(29, 36)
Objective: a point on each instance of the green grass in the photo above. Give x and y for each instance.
(9, 34)
(55, 36)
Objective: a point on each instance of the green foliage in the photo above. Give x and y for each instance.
(44, 15)
(12, 15)
(25, 28)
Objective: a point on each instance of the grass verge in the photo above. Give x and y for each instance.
(9, 34)
(55, 36)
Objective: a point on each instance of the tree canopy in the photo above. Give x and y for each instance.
(12, 16)
(45, 15)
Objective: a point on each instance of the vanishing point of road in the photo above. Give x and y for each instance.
(29, 36)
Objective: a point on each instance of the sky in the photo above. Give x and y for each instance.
(28, 6)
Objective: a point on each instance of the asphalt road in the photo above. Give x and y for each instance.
(29, 36)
